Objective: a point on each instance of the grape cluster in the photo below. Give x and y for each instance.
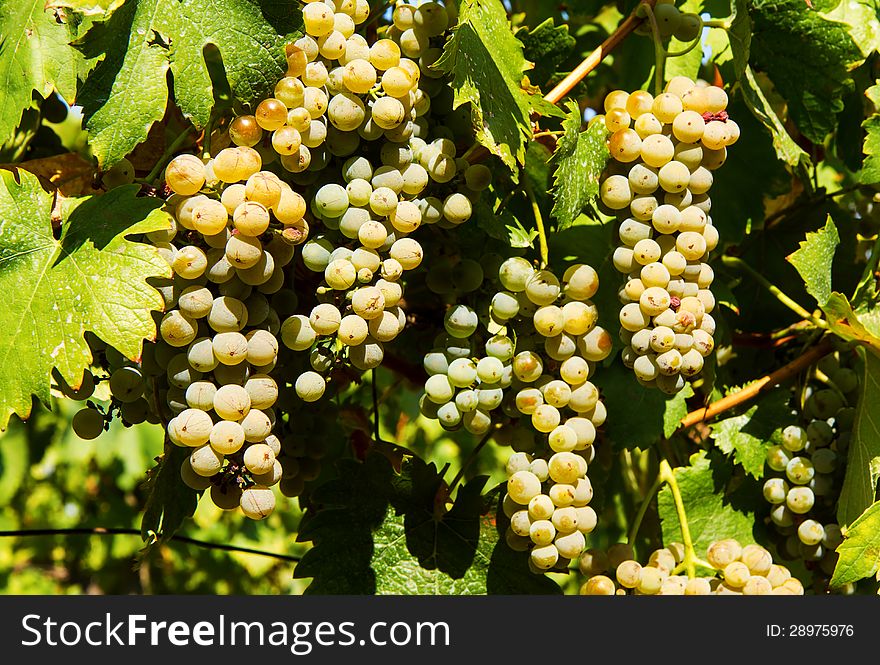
(375, 108)
(540, 343)
(531, 381)
(671, 22)
(657, 186)
(351, 150)
(806, 466)
(741, 570)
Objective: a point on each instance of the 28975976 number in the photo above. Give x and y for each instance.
(810, 630)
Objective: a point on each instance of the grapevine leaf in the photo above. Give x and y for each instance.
(689, 63)
(488, 68)
(860, 550)
(128, 91)
(862, 18)
(96, 8)
(814, 258)
(711, 514)
(676, 409)
(623, 396)
(740, 35)
(503, 226)
(547, 45)
(749, 435)
(807, 57)
(34, 56)
(169, 500)
(862, 326)
(92, 278)
(786, 148)
(870, 172)
(863, 459)
(377, 531)
(579, 159)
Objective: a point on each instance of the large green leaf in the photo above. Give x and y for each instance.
(870, 172)
(128, 91)
(862, 20)
(863, 459)
(740, 35)
(489, 71)
(749, 435)
(860, 549)
(814, 258)
(378, 531)
(712, 514)
(34, 56)
(579, 160)
(786, 148)
(808, 58)
(91, 278)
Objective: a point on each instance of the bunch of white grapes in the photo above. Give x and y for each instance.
(541, 346)
(741, 571)
(531, 382)
(369, 106)
(671, 22)
(547, 501)
(806, 468)
(664, 150)
(342, 151)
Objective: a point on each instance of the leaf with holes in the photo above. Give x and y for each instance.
(89, 279)
(379, 532)
(128, 91)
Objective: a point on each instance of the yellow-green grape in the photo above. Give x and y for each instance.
(185, 175)
(258, 502)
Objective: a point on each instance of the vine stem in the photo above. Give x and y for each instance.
(468, 462)
(592, 61)
(785, 299)
(689, 48)
(668, 476)
(659, 49)
(116, 531)
(759, 386)
(539, 221)
(643, 509)
(167, 155)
